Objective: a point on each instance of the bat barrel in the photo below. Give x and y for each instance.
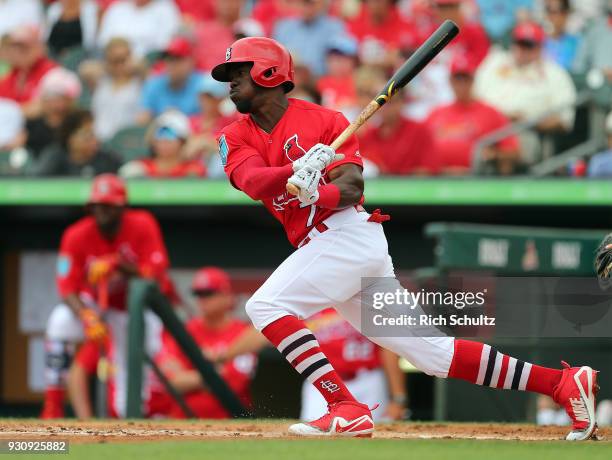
(419, 59)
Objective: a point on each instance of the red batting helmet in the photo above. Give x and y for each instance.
(211, 279)
(108, 189)
(272, 63)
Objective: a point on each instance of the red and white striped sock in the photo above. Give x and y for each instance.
(300, 347)
(482, 364)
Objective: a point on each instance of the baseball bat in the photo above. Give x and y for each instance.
(410, 69)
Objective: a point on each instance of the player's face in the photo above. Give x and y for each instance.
(107, 216)
(462, 87)
(525, 52)
(242, 88)
(214, 304)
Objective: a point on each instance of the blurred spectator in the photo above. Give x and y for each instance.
(457, 127)
(176, 88)
(15, 13)
(269, 12)
(309, 35)
(499, 16)
(214, 329)
(147, 24)
(70, 24)
(524, 84)
(12, 134)
(560, 45)
(29, 64)
(216, 35)
(78, 152)
(381, 32)
(194, 11)
(214, 115)
(168, 138)
(581, 14)
(472, 41)
(393, 143)
(600, 165)
(59, 91)
(116, 98)
(594, 52)
(337, 88)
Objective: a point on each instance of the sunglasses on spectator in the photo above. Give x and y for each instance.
(202, 294)
(527, 44)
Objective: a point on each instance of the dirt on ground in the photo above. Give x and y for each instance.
(154, 430)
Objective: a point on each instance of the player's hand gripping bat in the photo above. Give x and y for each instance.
(413, 65)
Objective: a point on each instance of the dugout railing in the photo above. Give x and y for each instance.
(143, 295)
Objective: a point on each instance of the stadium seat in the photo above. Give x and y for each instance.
(129, 143)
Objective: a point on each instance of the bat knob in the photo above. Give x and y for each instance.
(292, 189)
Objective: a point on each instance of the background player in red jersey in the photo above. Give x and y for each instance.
(214, 330)
(98, 255)
(340, 246)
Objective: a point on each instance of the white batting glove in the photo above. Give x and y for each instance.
(307, 181)
(320, 156)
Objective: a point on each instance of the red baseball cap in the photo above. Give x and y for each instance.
(211, 279)
(529, 32)
(179, 47)
(462, 65)
(108, 189)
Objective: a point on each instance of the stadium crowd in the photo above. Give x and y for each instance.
(94, 86)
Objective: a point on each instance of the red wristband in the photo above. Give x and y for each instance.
(329, 196)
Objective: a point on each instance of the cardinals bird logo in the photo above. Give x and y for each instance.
(293, 149)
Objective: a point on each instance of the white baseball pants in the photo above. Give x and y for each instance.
(328, 271)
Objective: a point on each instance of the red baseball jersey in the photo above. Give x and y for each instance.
(138, 241)
(346, 349)
(302, 125)
(237, 373)
(457, 127)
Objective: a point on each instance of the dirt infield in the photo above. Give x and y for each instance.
(155, 430)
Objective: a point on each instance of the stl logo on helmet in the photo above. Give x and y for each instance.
(293, 149)
(228, 54)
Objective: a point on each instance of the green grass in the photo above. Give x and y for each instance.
(337, 449)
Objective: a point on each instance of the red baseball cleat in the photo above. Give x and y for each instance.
(52, 410)
(346, 418)
(54, 404)
(576, 393)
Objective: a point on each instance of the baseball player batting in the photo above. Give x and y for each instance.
(278, 140)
